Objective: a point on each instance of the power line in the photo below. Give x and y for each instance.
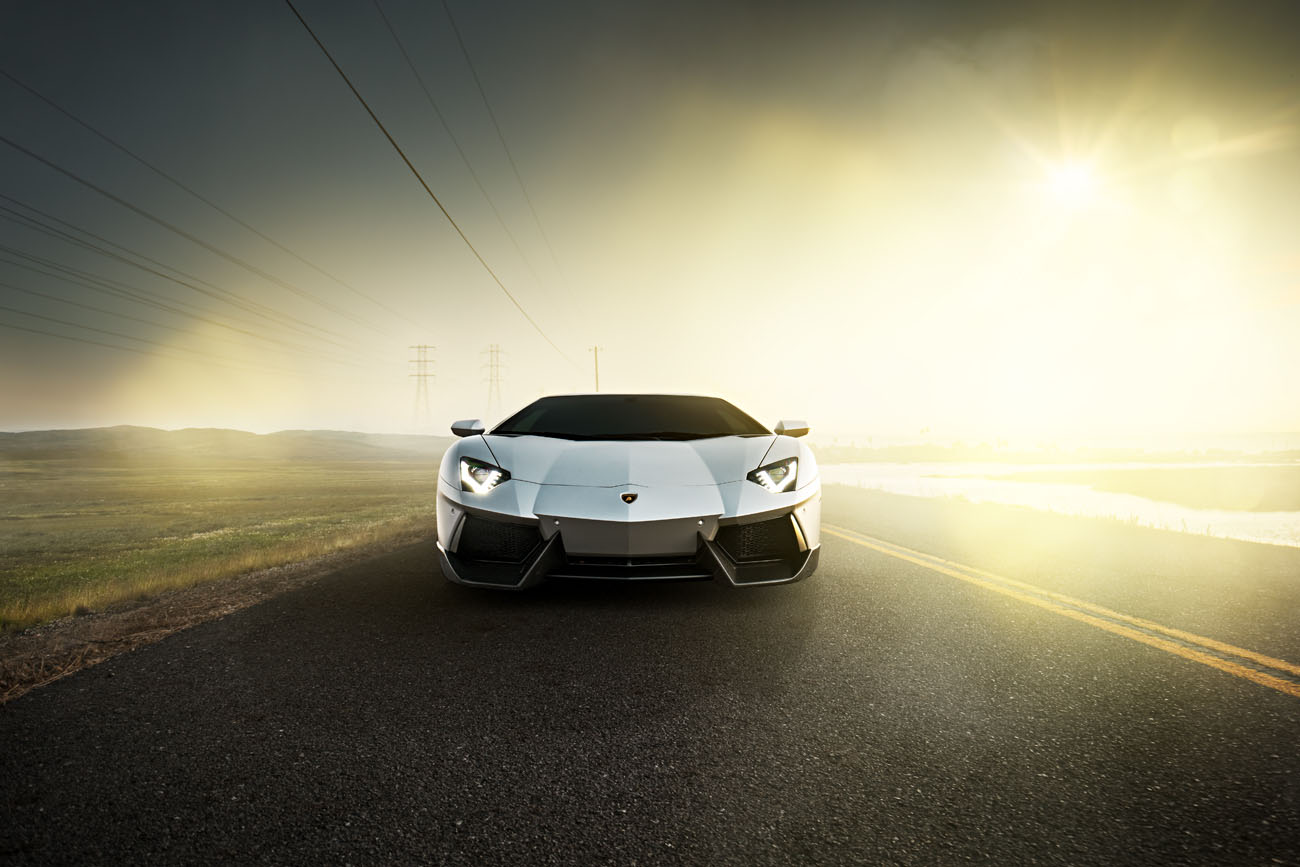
(249, 307)
(216, 292)
(151, 353)
(420, 178)
(139, 296)
(107, 281)
(145, 340)
(229, 257)
(211, 204)
(35, 225)
(78, 339)
(446, 127)
(127, 316)
(117, 289)
(86, 327)
(27, 222)
(502, 138)
(84, 306)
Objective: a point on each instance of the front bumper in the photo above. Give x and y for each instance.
(677, 535)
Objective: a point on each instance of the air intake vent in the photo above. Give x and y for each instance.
(764, 540)
(496, 541)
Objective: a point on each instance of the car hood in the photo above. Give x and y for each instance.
(603, 463)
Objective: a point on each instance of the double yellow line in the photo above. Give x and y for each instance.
(1256, 667)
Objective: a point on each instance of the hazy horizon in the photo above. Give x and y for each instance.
(1254, 443)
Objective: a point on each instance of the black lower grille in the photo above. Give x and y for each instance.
(687, 568)
(496, 541)
(762, 540)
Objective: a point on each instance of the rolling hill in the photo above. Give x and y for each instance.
(143, 445)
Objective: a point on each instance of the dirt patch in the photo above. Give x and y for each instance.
(43, 654)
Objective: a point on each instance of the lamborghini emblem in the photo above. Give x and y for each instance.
(629, 497)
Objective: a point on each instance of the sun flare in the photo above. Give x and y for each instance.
(1073, 185)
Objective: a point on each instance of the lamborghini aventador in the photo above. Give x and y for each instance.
(630, 487)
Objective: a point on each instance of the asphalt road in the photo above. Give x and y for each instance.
(881, 712)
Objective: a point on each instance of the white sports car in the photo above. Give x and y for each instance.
(628, 486)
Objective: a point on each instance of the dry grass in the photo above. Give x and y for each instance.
(41, 655)
(98, 557)
(78, 538)
(153, 580)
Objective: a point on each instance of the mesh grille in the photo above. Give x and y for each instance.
(495, 540)
(633, 568)
(764, 540)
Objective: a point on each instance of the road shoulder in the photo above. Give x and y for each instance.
(43, 654)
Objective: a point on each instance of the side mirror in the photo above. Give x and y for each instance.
(467, 427)
(791, 427)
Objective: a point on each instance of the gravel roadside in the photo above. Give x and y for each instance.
(43, 654)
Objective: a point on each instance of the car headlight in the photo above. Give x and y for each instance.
(478, 477)
(777, 477)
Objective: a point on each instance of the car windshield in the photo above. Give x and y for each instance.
(630, 417)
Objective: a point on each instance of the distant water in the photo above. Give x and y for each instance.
(1190, 444)
(966, 481)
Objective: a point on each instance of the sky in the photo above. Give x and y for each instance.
(963, 219)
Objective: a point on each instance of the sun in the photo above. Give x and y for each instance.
(1073, 185)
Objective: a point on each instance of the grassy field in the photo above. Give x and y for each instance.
(82, 534)
(1238, 488)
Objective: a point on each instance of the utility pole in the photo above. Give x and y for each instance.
(423, 373)
(595, 357)
(493, 366)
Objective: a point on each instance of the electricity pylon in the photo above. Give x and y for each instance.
(423, 373)
(493, 366)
